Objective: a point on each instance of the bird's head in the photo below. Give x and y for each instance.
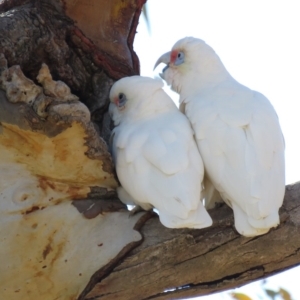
(190, 64)
(131, 97)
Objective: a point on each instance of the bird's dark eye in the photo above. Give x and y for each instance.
(121, 96)
(122, 99)
(180, 59)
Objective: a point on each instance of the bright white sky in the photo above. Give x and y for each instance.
(259, 43)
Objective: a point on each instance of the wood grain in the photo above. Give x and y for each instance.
(176, 264)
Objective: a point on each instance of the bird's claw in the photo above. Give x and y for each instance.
(135, 210)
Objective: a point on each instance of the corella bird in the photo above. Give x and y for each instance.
(237, 133)
(155, 154)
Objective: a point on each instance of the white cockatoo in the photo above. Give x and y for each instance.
(155, 154)
(237, 132)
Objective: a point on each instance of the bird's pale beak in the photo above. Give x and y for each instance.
(165, 58)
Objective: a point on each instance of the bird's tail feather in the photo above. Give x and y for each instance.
(198, 218)
(272, 220)
(244, 226)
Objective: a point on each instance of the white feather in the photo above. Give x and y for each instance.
(238, 135)
(156, 157)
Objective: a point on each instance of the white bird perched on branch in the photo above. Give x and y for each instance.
(155, 154)
(237, 132)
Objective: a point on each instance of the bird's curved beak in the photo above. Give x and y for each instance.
(165, 58)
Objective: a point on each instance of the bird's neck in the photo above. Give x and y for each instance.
(204, 79)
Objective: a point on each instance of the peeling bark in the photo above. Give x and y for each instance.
(62, 227)
(176, 264)
(50, 158)
(86, 44)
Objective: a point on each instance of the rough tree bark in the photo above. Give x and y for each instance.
(177, 264)
(63, 232)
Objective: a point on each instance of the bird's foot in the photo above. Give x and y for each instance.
(135, 210)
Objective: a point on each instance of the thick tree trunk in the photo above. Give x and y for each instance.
(61, 225)
(86, 44)
(63, 232)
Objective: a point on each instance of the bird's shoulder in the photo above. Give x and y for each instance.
(167, 148)
(234, 103)
(164, 142)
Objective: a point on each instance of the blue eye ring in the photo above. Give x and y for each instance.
(180, 58)
(122, 99)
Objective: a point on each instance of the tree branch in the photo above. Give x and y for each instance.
(173, 264)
